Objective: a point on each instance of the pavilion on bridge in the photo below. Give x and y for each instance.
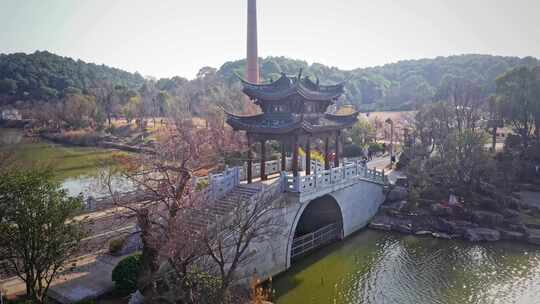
(294, 114)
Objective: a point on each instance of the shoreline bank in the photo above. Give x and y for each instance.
(94, 140)
(456, 222)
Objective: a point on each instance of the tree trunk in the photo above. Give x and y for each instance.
(537, 129)
(494, 139)
(149, 258)
(29, 288)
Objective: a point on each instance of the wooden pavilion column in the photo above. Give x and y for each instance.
(336, 159)
(308, 157)
(295, 156)
(283, 157)
(326, 153)
(263, 159)
(249, 162)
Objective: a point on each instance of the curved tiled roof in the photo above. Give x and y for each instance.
(287, 86)
(262, 124)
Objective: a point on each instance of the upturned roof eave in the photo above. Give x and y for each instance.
(237, 124)
(285, 87)
(287, 94)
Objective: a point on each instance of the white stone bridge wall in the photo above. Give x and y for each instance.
(358, 203)
(357, 190)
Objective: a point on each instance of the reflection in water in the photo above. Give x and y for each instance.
(373, 267)
(77, 168)
(10, 137)
(91, 186)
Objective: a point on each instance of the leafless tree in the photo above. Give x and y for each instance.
(165, 180)
(227, 242)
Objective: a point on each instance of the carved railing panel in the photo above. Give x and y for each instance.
(335, 176)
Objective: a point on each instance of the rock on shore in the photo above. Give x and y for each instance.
(482, 234)
(453, 221)
(397, 194)
(390, 219)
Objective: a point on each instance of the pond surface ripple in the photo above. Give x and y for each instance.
(375, 267)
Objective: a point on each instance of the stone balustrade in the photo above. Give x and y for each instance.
(271, 167)
(219, 184)
(274, 167)
(328, 180)
(224, 182)
(321, 180)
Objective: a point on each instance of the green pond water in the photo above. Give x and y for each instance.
(376, 267)
(77, 168)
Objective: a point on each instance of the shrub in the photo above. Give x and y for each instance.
(233, 159)
(376, 148)
(115, 245)
(124, 275)
(512, 142)
(316, 155)
(77, 137)
(403, 161)
(352, 151)
(201, 184)
(111, 129)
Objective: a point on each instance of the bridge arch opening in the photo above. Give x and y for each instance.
(321, 223)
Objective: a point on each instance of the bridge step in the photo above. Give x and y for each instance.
(202, 218)
(248, 193)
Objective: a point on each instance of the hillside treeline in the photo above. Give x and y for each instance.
(398, 86)
(46, 76)
(43, 77)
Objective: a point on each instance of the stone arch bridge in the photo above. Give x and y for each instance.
(314, 210)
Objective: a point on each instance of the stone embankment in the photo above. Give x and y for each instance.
(452, 222)
(94, 139)
(15, 124)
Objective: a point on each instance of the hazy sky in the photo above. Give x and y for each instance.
(177, 37)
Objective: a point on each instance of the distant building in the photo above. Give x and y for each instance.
(10, 114)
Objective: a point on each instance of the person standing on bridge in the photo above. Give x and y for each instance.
(365, 152)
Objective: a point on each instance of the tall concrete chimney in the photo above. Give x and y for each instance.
(252, 69)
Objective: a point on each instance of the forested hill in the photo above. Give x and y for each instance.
(44, 76)
(401, 85)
